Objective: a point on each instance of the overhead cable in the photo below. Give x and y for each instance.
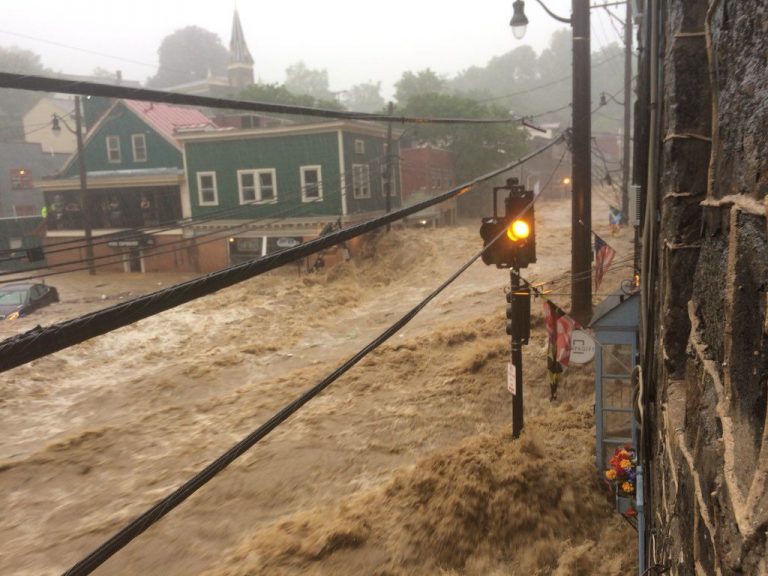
(46, 84)
(139, 525)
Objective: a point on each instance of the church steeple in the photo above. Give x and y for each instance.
(240, 67)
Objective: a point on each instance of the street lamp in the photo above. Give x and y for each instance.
(84, 203)
(581, 146)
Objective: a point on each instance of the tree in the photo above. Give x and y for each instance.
(279, 94)
(189, 54)
(15, 103)
(365, 97)
(302, 80)
(411, 85)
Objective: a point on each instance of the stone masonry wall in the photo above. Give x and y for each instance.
(710, 451)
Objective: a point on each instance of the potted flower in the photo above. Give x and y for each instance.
(622, 477)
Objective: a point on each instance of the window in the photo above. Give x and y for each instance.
(359, 147)
(206, 189)
(139, 143)
(113, 149)
(361, 181)
(311, 184)
(257, 185)
(436, 180)
(267, 185)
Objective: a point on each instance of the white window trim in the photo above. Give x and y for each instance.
(366, 170)
(200, 200)
(134, 138)
(257, 185)
(361, 148)
(115, 139)
(303, 171)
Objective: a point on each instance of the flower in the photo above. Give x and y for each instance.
(622, 476)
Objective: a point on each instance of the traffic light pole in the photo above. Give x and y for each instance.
(517, 356)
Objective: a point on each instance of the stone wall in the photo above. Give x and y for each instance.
(710, 446)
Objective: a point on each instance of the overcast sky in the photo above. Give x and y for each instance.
(355, 41)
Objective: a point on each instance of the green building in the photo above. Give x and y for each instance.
(273, 187)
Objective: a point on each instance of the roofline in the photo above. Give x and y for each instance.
(320, 127)
(89, 135)
(172, 141)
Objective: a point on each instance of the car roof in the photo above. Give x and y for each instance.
(17, 286)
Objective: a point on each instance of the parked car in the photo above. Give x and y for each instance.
(21, 299)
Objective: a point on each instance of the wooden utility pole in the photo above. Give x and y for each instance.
(581, 207)
(625, 175)
(85, 205)
(388, 165)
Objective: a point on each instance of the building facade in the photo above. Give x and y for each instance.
(135, 182)
(267, 189)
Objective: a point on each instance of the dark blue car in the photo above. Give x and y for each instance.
(21, 299)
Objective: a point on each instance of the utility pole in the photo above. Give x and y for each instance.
(625, 175)
(519, 314)
(85, 205)
(581, 208)
(388, 165)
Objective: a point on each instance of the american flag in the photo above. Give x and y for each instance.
(603, 257)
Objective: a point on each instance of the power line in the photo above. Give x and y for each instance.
(40, 342)
(46, 84)
(548, 84)
(139, 525)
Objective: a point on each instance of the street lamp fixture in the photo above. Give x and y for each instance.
(581, 147)
(519, 22)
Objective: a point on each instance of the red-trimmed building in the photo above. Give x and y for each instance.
(426, 171)
(135, 179)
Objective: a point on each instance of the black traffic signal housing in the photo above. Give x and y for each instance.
(516, 248)
(519, 314)
(518, 208)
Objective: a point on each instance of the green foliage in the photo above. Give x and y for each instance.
(365, 97)
(411, 85)
(305, 81)
(15, 103)
(188, 55)
(279, 94)
(479, 148)
(528, 84)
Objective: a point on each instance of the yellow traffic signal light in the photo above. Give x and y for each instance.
(518, 230)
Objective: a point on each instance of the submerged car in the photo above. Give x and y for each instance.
(21, 299)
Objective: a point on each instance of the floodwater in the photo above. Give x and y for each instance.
(405, 465)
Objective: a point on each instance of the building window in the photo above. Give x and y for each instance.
(359, 146)
(139, 143)
(311, 184)
(257, 185)
(436, 180)
(206, 189)
(113, 149)
(361, 181)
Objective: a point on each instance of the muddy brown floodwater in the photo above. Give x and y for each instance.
(405, 465)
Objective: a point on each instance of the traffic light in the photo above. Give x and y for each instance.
(519, 314)
(516, 248)
(522, 228)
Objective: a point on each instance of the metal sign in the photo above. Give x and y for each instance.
(288, 242)
(511, 378)
(582, 347)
